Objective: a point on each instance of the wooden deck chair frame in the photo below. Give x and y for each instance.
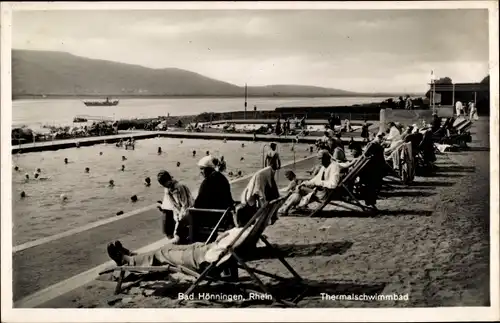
(259, 221)
(193, 228)
(342, 191)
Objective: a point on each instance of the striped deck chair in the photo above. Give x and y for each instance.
(460, 136)
(239, 253)
(343, 193)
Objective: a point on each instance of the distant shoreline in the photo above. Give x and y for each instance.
(116, 96)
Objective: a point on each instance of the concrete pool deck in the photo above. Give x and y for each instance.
(138, 135)
(37, 265)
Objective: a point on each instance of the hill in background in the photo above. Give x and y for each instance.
(60, 73)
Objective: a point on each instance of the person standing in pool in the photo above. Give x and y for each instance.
(272, 157)
(221, 167)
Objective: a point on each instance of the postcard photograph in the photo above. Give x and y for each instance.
(250, 156)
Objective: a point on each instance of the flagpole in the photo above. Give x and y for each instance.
(245, 115)
(433, 92)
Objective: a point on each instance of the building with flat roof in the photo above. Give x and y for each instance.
(448, 94)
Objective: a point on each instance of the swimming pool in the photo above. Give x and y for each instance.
(42, 213)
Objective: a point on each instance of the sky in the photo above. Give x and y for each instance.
(356, 50)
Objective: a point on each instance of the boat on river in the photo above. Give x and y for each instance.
(106, 103)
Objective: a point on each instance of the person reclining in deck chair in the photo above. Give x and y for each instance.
(195, 256)
(260, 189)
(426, 146)
(436, 122)
(407, 132)
(394, 133)
(328, 177)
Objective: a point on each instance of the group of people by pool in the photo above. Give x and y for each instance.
(215, 192)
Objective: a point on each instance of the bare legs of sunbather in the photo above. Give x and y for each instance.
(191, 256)
(303, 195)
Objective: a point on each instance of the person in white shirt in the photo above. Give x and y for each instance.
(177, 199)
(394, 133)
(473, 111)
(458, 108)
(328, 177)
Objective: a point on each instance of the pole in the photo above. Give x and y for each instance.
(453, 96)
(245, 115)
(433, 96)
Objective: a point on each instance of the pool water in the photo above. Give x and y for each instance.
(43, 213)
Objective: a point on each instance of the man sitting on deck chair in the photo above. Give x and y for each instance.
(328, 177)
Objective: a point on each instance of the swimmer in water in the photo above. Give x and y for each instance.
(65, 160)
(207, 153)
(16, 168)
(37, 176)
(311, 149)
(38, 170)
(133, 198)
(124, 158)
(182, 141)
(178, 164)
(111, 183)
(225, 140)
(239, 173)
(230, 174)
(63, 197)
(194, 153)
(100, 153)
(242, 158)
(147, 182)
(87, 170)
(123, 168)
(242, 145)
(159, 151)
(26, 177)
(23, 194)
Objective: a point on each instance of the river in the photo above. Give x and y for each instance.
(33, 113)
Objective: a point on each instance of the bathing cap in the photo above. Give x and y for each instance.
(207, 161)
